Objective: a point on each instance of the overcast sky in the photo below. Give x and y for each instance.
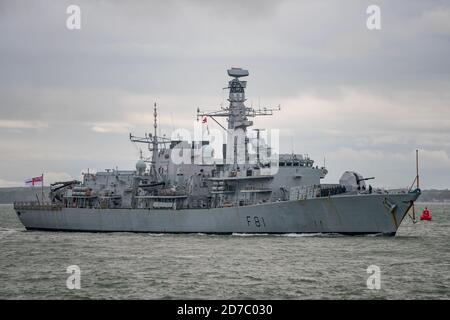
(363, 99)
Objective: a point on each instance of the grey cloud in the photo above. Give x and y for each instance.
(68, 95)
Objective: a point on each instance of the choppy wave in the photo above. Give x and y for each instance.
(303, 235)
(238, 234)
(5, 232)
(211, 266)
(374, 235)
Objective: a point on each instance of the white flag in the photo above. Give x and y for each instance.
(34, 182)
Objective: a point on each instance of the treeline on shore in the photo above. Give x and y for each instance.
(22, 194)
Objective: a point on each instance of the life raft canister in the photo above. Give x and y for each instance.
(425, 215)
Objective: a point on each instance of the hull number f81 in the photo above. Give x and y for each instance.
(256, 221)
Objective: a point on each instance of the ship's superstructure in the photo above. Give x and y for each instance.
(241, 185)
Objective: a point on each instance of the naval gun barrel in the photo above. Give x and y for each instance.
(364, 179)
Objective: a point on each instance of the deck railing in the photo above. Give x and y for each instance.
(36, 206)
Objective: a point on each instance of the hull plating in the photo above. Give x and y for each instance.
(359, 214)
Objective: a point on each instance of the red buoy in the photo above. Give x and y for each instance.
(425, 215)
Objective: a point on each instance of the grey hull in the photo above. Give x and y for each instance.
(346, 214)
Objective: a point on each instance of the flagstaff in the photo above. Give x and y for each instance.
(42, 188)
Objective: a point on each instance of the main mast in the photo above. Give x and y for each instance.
(153, 169)
(153, 141)
(237, 115)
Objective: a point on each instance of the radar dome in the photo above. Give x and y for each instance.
(208, 152)
(141, 166)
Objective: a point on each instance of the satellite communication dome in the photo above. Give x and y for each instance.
(208, 152)
(141, 166)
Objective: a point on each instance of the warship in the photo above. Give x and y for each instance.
(241, 186)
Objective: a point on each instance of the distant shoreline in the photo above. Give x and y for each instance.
(25, 194)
